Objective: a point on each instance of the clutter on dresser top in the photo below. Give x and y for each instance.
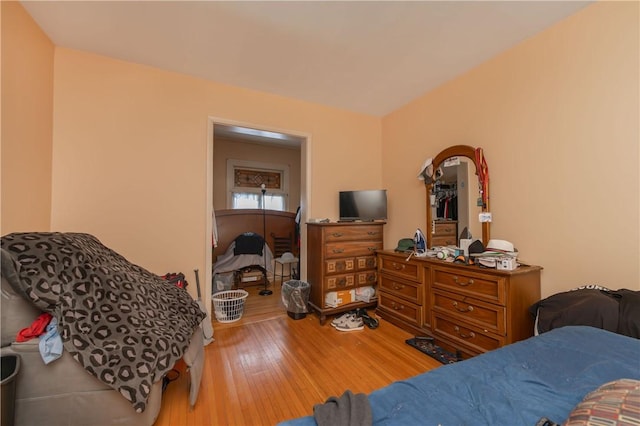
(498, 254)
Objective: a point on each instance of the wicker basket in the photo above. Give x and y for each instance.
(229, 305)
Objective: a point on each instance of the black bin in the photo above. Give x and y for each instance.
(295, 297)
(10, 366)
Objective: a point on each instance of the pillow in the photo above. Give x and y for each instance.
(613, 403)
(248, 243)
(583, 306)
(629, 318)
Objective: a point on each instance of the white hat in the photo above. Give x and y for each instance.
(287, 256)
(500, 247)
(426, 171)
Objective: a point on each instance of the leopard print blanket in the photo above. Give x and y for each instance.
(123, 324)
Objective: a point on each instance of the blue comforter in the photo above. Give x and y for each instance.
(544, 376)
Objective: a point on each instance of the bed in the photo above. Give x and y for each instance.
(276, 227)
(545, 376)
(248, 249)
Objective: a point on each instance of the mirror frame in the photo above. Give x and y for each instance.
(456, 151)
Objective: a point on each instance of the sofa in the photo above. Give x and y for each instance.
(65, 392)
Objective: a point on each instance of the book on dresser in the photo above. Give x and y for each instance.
(341, 258)
(465, 308)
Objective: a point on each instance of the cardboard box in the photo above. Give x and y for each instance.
(251, 276)
(333, 299)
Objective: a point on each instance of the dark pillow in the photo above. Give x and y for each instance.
(591, 307)
(249, 243)
(613, 403)
(629, 316)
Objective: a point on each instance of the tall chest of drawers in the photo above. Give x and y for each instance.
(466, 308)
(341, 257)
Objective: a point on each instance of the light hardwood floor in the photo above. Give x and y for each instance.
(267, 367)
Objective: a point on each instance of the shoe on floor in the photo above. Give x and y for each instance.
(342, 319)
(352, 324)
(369, 321)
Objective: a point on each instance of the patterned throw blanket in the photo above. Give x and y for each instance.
(123, 324)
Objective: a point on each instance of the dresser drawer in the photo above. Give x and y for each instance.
(340, 266)
(485, 315)
(347, 233)
(473, 337)
(407, 311)
(355, 248)
(339, 282)
(400, 268)
(366, 278)
(440, 229)
(447, 240)
(401, 288)
(479, 286)
(366, 262)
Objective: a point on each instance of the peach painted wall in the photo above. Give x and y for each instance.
(558, 119)
(131, 146)
(225, 149)
(27, 122)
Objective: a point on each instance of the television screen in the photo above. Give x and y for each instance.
(363, 205)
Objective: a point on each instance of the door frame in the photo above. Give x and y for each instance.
(305, 191)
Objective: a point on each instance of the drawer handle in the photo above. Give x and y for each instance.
(470, 282)
(372, 248)
(471, 334)
(469, 308)
(372, 278)
(373, 233)
(337, 234)
(338, 250)
(342, 282)
(398, 286)
(398, 267)
(397, 307)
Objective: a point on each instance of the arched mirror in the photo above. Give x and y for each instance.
(457, 186)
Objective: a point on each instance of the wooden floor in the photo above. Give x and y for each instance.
(267, 367)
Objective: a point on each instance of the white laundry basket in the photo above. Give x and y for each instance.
(229, 305)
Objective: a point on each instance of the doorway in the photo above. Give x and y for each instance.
(253, 143)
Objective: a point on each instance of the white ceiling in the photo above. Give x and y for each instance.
(369, 57)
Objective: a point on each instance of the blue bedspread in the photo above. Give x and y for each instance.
(544, 376)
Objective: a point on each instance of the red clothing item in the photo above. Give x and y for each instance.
(35, 329)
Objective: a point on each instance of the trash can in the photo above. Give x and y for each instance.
(295, 296)
(10, 366)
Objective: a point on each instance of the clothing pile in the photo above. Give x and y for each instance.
(46, 328)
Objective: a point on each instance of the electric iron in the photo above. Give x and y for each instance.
(420, 242)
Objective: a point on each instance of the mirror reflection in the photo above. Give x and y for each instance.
(454, 202)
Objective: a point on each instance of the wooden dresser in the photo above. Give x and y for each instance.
(341, 256)
(466, 308)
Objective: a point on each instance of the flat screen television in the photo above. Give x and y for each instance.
(366, 206)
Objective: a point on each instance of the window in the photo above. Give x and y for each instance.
(245, 180)
(247, 200)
